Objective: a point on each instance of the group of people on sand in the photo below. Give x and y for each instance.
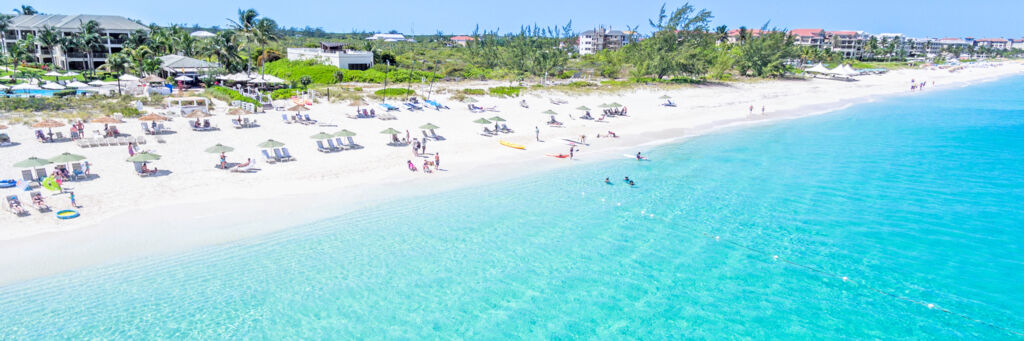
(918, 86)
(419, 148)
(427, 164)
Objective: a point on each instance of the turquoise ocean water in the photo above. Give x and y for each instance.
(920, 197)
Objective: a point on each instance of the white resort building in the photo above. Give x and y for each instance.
(114, 30)
(388, 37)
(591, 41)
(336, 54)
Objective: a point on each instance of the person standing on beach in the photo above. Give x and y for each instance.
(437, 161)
(73, 203)
(751, 109)
(537, 130)
(571, 149)
(762, 109)
(423, 146)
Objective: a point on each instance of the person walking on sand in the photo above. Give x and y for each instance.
(537, 132)
(583, 139)
(73, 202)
(751, 109)
(423, 147)
(571, 149)
(762, 109)
(437, 161)
(407, 135)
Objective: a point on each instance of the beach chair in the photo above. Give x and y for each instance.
(140, 140)
(321, 148)
(122, 140)
(236, 124)
(435, 135)
(28, 176)
(341, 144)
(244, 169)
(160, 139)
(41, 205)
(284, 117)
(351, 143)
(40, 174)
(138, 169)
(506, 129)
(487, 132)
(309, 120)
(425, 136)
(145, 128)
(333, 147)
(286, 154)
(267, 157)
(76, 171)
(60, 136)
(82, 143)
(13, 205)
(277, 155)
(159, 129)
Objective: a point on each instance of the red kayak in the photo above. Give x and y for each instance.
(560, 156)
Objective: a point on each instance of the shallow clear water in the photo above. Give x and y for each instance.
(920, 197)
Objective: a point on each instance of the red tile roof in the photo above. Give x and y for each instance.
(807, 32)
(463, 38)
(993, 40)
(753, 32)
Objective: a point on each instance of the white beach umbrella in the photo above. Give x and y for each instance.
(820, 68)
(77, 85)
(25, 86)
(71, 74)
(97, 83)
(128, 78)
(849, 70)
(3, 87)
(183, 78)
(202, 34)
(53, 73)
(53, 86)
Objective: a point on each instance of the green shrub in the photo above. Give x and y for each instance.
(394, 92)
(294, 70)
(472, 91)
(228, 95)
(64, 93)
(510, 91)
(283, 93)
(581, 84)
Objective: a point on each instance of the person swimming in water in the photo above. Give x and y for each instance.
(626, 179)
(640, 157)
(631, 183)
(607, 181)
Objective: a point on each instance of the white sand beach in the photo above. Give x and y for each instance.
(197, 204)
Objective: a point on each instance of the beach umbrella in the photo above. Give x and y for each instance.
(97, 83)
(53, 74)
(71, 74)
(358, 102)
(77, 85)
(183, 78)
(497, 119)
(24, 86)
(344, 133)
(321, 136)
(152, 79)
(482, 121)
(128, 78)
(32, 162)
(549, 112)
(66, 157)
(614, 105)
(298, 107)
(105, 120)
(152, 117)
(197, 114)
(53, 86)
(236, 111)
(2, 127)
(582, 108)
(270, 144)
(665, 97)
(429, 126)
(48, 123)
(390, 131)
(469, 100)
(219, 148)
(144, 157)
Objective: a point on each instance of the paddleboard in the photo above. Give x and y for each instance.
(511, 145)
(645, 158)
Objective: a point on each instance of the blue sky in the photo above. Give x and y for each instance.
(919, 18)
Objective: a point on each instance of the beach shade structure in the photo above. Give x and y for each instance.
(183, 78)
(297, 108)
(53, 86)
(25, 86)
(482, 121)
(106, 120)
(152, 79)
(54, 74)
(2, 127)
(32, 162)
(66, 157)
(270, 144)
(47, 123)
(614, 105)
(128, 78)
(321, 136)
(236, 111)
(152, 117)
(390, 131)
(819, 68)
(71, 74)
(665, 97)
(219, 148)
(429, 126)
(77, 85)
(469, 100)
(497, 119)
(582, 108)
(344, 133)
(144, 157)
(358, 102)
(549, 112)
(97, 83)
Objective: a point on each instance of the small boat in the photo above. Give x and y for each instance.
(512, 145)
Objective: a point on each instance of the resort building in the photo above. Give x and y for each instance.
(954, 43)
(173, 65)
(114, 30)
(336, 54)
(462, 40)
(1017, 44)
(591, 41)
(849, 43)
(995, 43)
(389, 37)
(813, 37)
(734, 35)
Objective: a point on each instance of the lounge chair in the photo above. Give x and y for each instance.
(145, 128)
(236, 124)
(277, 155)
(287, 155)
(506, 129)
(267, 157)
(82, 143)
(140, 140)
(435, 135)
(321, 148)
(244, 168)
(333, 147)
(425, 136)
(27, 176)
(309, 120)
(39, 204)
(13, 205)
(352, 143)
(159, 129)
(123, 141)
(284, 117)
(40, 174)
(487, 132)
(340, 144)
(77, 171)
(60, 136)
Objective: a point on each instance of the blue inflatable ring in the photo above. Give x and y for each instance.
(8, 183)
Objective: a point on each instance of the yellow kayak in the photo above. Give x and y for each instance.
(512, 145)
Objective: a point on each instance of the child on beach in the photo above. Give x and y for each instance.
(73, 202)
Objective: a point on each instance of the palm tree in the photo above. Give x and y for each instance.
(26, 10)
(88, 40)
(5, 22)
(51, 38)
(245, 27)
(264, 33)
(21, 51)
